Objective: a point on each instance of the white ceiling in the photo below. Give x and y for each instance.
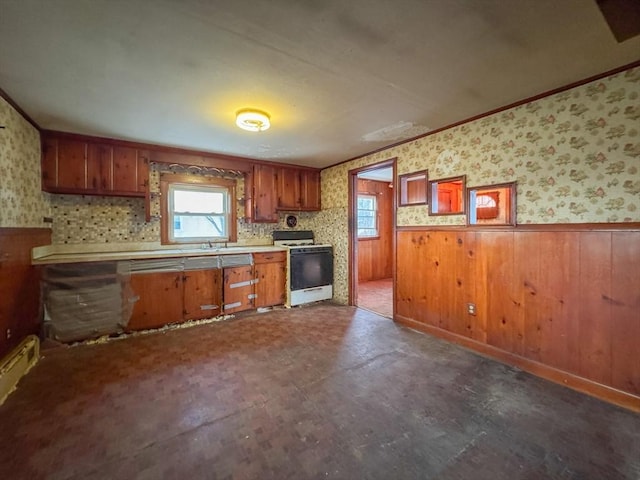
(339, 78)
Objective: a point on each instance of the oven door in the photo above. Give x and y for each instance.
(311, 267)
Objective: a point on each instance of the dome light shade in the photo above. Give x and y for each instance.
(253, 120)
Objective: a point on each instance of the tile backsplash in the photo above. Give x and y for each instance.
(102, 219)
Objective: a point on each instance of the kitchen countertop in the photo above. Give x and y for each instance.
(51, 254)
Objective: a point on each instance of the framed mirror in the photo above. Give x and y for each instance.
(412, 188)
(492, 204)
(446, 196)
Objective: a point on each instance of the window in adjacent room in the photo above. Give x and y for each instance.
(197, 209)
(367, 216)
(487, 205)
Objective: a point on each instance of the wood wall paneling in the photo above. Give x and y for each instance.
(595, 307)
(564, 299)
(20, 300)
(550, 299)
(625, 312)
(411, 276)
(499, 294)
(464, 286)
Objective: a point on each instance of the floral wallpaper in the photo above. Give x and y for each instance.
(575, 156)
(22, 203)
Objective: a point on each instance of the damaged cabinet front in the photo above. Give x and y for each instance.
(175, 290)
(238, 289)
(159, 299)
(262, 284)
(202, 294)
(89, 300)
(270, 275)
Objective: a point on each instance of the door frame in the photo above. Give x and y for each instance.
(353, 231)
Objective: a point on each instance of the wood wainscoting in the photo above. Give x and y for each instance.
(20, 306)
(560, 301)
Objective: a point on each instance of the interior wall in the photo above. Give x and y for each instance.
(562, 297)
(89, 219)
(575, 156)
(23, 204)
(375, 260)
(20, 313)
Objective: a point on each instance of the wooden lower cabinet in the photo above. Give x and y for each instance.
(160, 299)
(271, 276)
(170, 297)
(238, 289)
(173, 297)
(202, 294)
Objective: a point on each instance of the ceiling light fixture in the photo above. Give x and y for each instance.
(253, 120)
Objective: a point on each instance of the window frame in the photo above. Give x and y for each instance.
(376, 215)
(166, 219)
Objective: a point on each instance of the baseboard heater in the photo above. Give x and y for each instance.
(15, 365)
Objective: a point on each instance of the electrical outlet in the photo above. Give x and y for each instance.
(8, 333)
(471, 308)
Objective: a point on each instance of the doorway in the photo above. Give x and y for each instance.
(372, 206)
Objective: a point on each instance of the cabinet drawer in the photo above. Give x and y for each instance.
(269, 257)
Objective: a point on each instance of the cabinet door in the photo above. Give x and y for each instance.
(264, 194)
(49, 164)
(71, 165)
(143, 171)
(99, 160)
(270, 286)
(238, 289)
(310, 190)
(202, 294)
(289, 188)
(160, 299)
(125, 169)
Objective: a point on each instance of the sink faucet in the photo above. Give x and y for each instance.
(214, 245)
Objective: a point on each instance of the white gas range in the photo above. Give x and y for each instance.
(309, 267)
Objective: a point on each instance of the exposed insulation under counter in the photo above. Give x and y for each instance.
(91, 299)
(84, 300)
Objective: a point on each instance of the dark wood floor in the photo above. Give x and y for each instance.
(316, 392)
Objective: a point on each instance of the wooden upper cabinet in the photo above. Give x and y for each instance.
(263, 200)
(298, 189)
(87, 168)
(63, 165)
(127, 168)
(310, 189)
(289, 188)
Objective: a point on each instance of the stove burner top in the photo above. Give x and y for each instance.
(290, 238)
